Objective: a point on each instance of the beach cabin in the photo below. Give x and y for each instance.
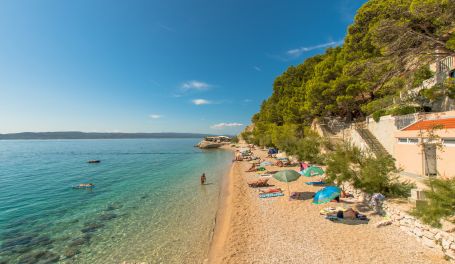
(427, 147)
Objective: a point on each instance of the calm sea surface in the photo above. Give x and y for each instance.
(148, 204)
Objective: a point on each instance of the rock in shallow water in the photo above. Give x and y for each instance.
(113, 206)
(42, 256)
(107, 216)
(71, 252)
(91, 227)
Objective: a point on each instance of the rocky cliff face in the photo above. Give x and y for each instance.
(208, 144)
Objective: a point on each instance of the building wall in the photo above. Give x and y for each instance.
(409, 156)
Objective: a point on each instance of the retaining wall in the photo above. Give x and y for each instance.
(427, 235)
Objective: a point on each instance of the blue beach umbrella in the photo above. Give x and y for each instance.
(326, 194)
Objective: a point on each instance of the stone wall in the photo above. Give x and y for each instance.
(443, 240)
(357, 140)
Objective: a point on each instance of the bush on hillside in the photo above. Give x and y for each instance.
(403, 110)
(235, 140)
(377, 115)
(347, 164)
(440, 202)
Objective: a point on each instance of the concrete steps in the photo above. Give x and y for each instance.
(373, 143)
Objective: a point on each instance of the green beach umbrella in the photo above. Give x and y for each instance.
(312, 171)
(287, 176)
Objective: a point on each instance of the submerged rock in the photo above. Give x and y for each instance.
(79, 241)
(107, 216)
(16, 241)
(91, 227)
(43, 256)
(71, 252)
(113, 206)
(41, 241)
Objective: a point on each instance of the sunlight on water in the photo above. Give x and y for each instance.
(147, 205)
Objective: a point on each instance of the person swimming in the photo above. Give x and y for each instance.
(203, 178)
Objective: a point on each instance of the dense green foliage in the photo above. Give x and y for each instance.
(440, 204)
(347, 164)
(384, 52)
(235, 140)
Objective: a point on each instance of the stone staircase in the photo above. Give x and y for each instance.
(373, 143)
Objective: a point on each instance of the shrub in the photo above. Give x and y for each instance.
(422, 74)
(440, 202)
(365, 172)
(377, 105)
(379, 175)
(377, 115)
(339, 169)
(403, 110)
(235, 140)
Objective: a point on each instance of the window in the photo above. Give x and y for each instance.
(450, 142)
(408, 140)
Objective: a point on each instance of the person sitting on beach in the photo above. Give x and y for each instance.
(303, 166)
(252, 168)
(203, 179)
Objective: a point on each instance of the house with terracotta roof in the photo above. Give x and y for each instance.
(427, 147)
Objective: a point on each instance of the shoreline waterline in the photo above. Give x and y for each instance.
(223, 216)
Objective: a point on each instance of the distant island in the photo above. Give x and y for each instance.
(95, 135)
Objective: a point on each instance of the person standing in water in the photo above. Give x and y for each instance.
(203, 179)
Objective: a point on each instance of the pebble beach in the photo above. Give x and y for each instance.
(281, 230)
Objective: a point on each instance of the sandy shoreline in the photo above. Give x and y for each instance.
(278, 230)
(222, 218)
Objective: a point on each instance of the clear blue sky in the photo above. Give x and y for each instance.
(153, 66)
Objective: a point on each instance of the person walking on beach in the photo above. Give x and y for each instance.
(203, 179)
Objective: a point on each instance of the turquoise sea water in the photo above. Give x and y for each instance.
(148, 204)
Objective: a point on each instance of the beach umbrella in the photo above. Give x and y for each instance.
(287, 176)
(312, 171)
(326, 194)
(266, 163)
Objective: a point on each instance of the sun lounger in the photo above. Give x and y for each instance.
(268, 195)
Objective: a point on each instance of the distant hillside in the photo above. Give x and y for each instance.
(83, 135)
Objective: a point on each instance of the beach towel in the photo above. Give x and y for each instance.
(328, 211)
(356, 221)
(315, 183)
(268, 195)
